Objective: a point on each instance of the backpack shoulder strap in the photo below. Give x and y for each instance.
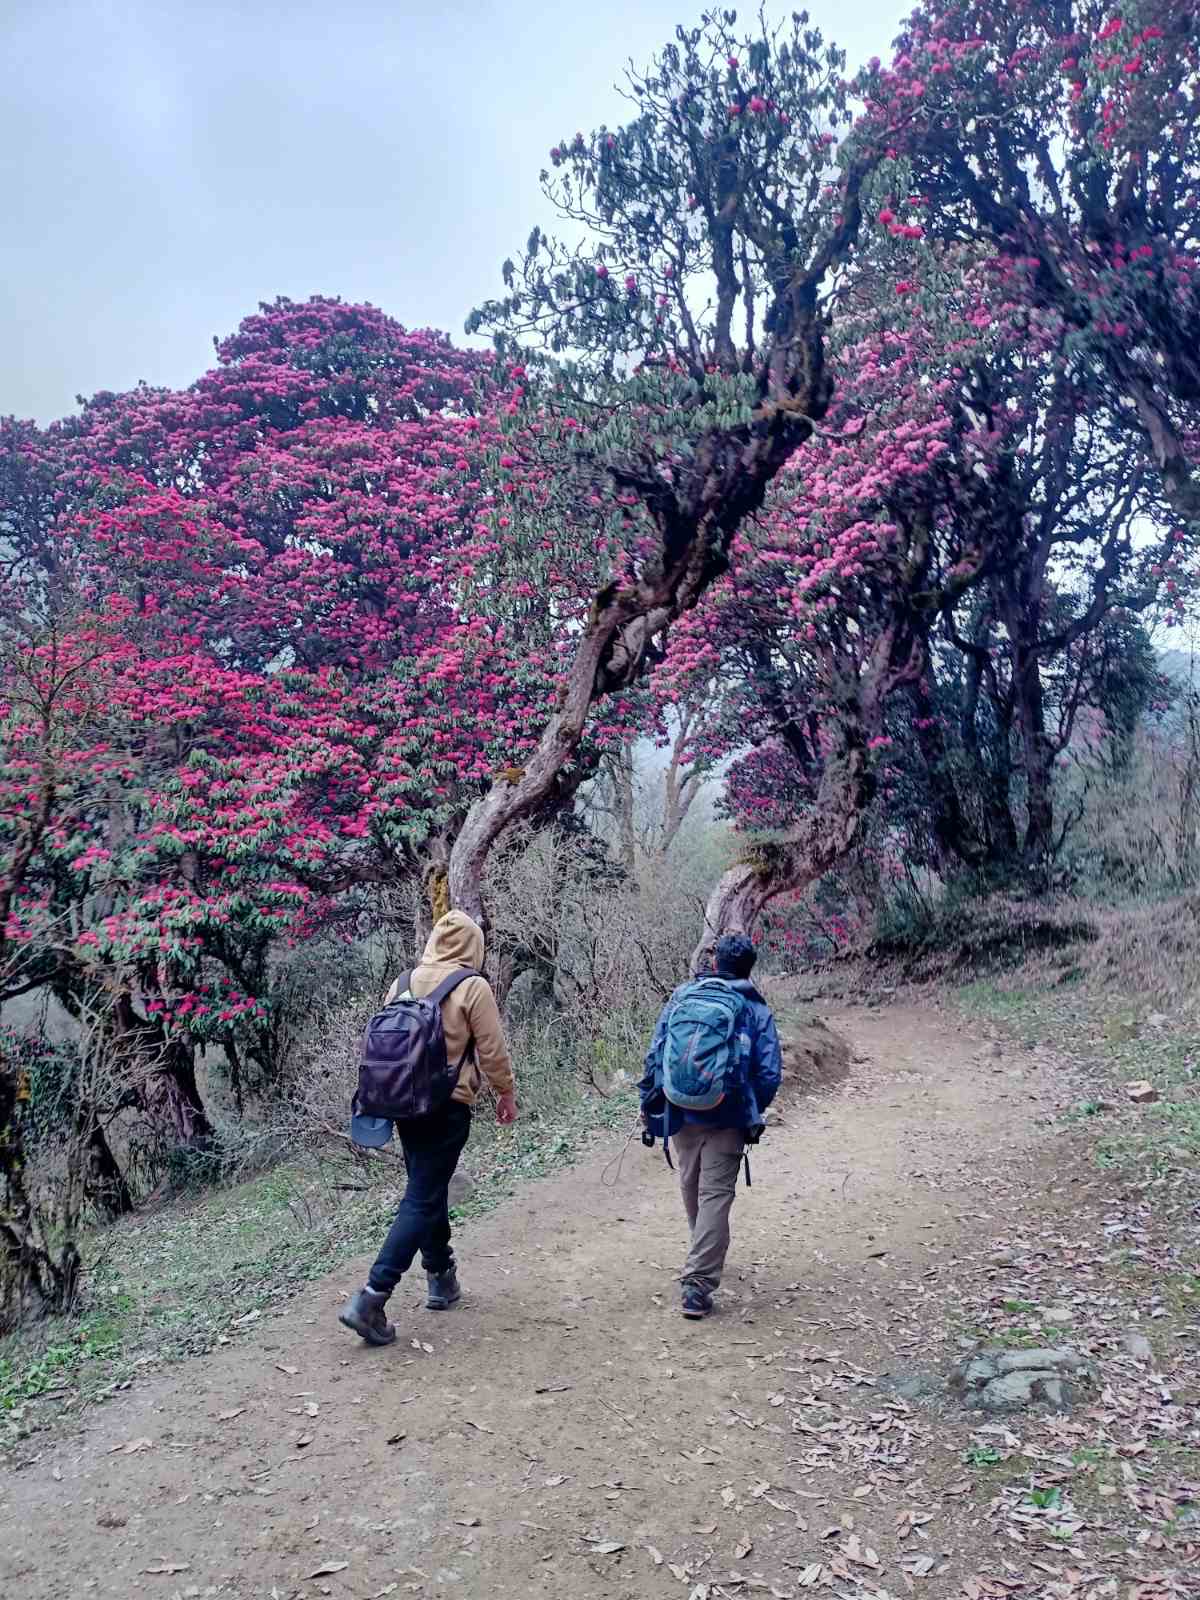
(452, 982)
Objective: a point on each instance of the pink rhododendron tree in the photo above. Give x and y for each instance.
(966, 505)
(328, 624)
(1065, 138)
(692, 324)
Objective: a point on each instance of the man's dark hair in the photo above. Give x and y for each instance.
(734, 956)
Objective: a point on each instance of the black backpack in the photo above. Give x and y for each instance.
(403, 1071)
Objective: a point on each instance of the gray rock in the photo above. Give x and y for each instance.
(1058, 1314)
(1038, 1360)
(1139, 1347)
(1053, 1392)
(1010, 1393)
(975, 1373)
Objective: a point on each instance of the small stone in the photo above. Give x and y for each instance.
(1157, 1019)
(1141, 1091)
(1139, 1347)
(1058, 1314)
(1011, 1392)
(996, 1050)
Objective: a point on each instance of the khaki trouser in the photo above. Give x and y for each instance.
(709, 1159)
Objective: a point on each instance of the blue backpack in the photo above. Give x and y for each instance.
(706, 1049)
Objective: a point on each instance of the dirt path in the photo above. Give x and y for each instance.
(564, 1432)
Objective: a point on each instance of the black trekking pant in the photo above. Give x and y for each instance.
(432, 1146)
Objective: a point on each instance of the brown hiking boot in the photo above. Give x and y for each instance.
(363, 1313)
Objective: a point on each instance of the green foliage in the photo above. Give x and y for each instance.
(726, 178)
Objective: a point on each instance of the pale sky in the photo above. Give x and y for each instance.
(167, 164)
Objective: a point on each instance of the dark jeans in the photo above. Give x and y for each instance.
(432, 1146)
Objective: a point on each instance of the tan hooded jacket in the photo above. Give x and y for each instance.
(469, 1013)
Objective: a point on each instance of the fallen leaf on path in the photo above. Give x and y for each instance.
(328, 1568)
(397, 1438)
(228, 1416)
(291, 1371)
(311, 1409)
(705, 1528)
(558, 1479)
(467, 1522)
(655, 1555)
(166, 1569)
(304, 1441)
(605, 1547)
(809, 1575)
(742, 1549)
(861, 1554)
(700, 1592)
(918, 1566)
(553, 1388)
(131, 1447)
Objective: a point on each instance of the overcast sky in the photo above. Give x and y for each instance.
(167, 164)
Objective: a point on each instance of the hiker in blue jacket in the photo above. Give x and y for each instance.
(711, 1142)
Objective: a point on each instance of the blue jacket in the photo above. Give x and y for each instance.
(764, 1071)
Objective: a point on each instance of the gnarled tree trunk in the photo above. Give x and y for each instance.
(809, 849)
(696, 508)
(816, 842)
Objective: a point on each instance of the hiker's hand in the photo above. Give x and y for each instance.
(506, 1109)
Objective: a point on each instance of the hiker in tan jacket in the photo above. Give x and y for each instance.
(432, 1144)
(470, 1015)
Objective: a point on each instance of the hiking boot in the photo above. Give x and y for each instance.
(363, 1313)
(444, 1291)
(697, 1302)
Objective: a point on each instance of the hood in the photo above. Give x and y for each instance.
(742, 985)
(456, 940)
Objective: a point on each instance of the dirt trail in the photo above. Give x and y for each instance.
(565, 1409)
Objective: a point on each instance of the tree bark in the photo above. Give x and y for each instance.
(623, 792)
(807, 850)
(106, 1187)
(169, 1092)
(1037, 754)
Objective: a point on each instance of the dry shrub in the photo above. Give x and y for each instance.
(593, 939)
(1138, 827)
(1149, 948)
